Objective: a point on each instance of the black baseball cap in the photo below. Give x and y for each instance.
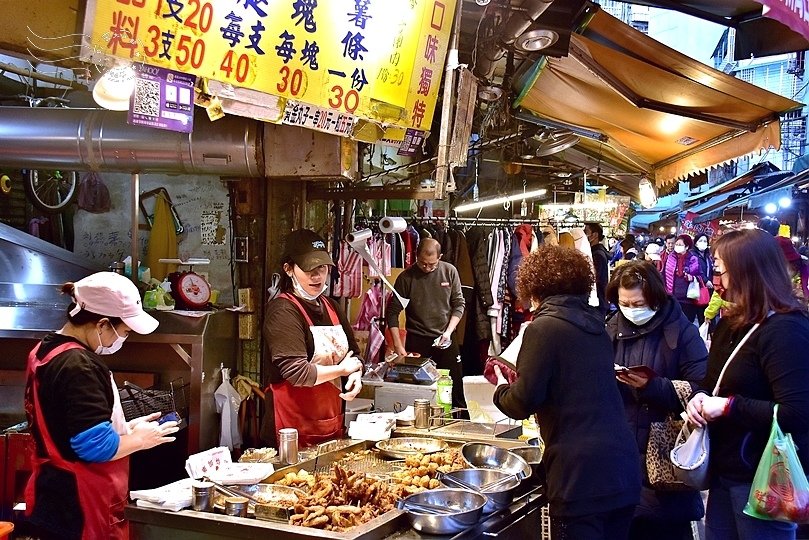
(307, 250)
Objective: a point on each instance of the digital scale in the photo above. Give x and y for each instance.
(190, 290)
(412, 369)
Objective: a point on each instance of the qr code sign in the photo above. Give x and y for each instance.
(147, 98)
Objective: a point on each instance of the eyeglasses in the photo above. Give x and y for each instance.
(427, 266)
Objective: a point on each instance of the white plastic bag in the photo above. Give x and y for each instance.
(693, 289)
(703, 333)
(228, 401)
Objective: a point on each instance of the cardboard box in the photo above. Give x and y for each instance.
(246, 299)
(248, 323)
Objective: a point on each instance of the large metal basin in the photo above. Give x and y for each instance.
(465, 510)
(489, 456)
(499, 497)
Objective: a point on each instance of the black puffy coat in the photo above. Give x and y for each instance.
(566, 377)
(672, 347)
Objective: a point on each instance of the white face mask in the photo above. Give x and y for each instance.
(299, 290)
(702, 246)
(112, 349)
(679, 249)
(639, 315)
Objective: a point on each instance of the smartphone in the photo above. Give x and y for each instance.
(644, 370)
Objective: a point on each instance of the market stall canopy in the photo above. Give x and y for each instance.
(661, 111)
(763, 27)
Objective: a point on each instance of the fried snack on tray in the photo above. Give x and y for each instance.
(421, 470)
(301, 479)
(342, 499)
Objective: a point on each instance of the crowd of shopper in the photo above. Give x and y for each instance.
(596, 418)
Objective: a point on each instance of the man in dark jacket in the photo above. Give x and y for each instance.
(601, 258)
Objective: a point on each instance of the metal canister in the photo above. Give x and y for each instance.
(422, 413)
(436, 415)
(118, 267)
(202, 496)
(288, 445)
(236, 506)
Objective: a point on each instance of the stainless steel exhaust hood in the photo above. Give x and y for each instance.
(98, 139)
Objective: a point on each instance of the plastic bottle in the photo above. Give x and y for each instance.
(443, 394)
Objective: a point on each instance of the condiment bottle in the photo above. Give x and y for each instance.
(422, 413)
(288, 445)
(443, 394)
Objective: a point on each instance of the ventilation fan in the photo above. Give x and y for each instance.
(552, 141)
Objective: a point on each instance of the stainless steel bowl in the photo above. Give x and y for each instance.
(464, 509)
(533, 456)
(499, 496)
(489, 456)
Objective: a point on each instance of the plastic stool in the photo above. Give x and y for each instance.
(6, 527)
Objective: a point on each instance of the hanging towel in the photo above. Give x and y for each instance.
(162, 239)
(228, 401)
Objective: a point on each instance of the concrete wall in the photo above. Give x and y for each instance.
(202, 206)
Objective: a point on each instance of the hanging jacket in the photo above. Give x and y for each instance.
(672, 347)
(477, 242)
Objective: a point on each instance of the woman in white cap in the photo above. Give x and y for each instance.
(312, 364)
(80, 480)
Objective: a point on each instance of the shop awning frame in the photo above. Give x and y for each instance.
(667, 114)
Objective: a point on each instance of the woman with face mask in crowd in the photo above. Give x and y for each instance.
(312, 367)
(649, 329)
(79, 484)
(703, 254)
(679, 268)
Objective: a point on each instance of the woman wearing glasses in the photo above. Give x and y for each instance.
(650, 331)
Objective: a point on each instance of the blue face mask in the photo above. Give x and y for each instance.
(639, 315)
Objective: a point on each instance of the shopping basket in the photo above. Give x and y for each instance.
(137, 401)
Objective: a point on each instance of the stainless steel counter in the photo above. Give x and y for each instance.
(523, 518)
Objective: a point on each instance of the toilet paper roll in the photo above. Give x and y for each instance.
(392, 225)
(359, 241)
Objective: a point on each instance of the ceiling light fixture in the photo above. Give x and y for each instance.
(490, 93)
(500, 200)
(647, 193)
(114, 88)
(536, 40)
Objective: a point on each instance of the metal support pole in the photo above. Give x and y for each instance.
(447, 110)
(135, 220)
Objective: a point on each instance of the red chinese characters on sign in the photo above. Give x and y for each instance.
(690, 226)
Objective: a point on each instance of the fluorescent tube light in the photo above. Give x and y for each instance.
(500, 200)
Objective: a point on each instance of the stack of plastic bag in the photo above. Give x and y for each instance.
(372, 427)
(204, 463)
(173, 497)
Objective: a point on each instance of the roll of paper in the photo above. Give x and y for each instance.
(359, 241)
(392, 225)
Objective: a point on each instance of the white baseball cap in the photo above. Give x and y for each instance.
(113, 295)
(653, 251)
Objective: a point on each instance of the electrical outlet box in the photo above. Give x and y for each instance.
(241, 249)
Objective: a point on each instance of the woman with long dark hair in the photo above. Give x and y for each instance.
(771, 368)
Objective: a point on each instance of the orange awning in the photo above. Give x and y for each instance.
(663, 112)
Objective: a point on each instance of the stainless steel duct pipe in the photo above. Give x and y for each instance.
(98, 139)
(520, 20)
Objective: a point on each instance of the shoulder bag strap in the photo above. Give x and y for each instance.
(733, 355)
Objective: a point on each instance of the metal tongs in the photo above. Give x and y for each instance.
(424, 507)
(232, 492)
(491, 486)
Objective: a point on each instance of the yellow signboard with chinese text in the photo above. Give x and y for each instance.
(375, 59)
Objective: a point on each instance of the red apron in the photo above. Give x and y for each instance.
(103, 488)
(315, 411)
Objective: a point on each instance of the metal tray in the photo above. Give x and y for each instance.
(402, 447)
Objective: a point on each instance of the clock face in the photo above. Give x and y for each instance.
(193, 289)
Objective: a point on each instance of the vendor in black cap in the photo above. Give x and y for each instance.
(312, 362)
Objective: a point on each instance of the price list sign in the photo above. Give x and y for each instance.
(380, 60)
